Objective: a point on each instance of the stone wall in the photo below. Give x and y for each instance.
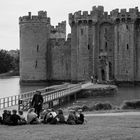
(60, 59)
(137, 50)
(124, 52)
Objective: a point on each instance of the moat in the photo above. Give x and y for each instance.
(10, 86)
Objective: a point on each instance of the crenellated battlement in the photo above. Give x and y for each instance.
(41, 17)
(59, 31)
(124, 14)
(98, 14)
(61, 27)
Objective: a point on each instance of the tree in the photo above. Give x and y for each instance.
(6, 61)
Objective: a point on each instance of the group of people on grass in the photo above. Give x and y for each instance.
(49, 116)
(37, 115)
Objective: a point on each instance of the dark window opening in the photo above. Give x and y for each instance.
(103, 75)
(82, 31)
(88, 47)
(105, 46)
(126, 71)
(101, 50)
(127, 27)
(127, 46)
(110, 70)
(37, 48)
(36, 64)
(123, 19)
(117, 20)
(79, 22)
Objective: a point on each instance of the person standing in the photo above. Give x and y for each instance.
(37, 102)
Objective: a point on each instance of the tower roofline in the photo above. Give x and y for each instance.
(41, 17)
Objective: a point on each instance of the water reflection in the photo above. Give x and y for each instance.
(10, 86)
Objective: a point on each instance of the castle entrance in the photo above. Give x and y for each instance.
(103, 77)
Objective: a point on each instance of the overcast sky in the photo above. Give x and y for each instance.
(58, 10)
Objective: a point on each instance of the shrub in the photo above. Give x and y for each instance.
(85, 108)
(102, 106)
(132, 104)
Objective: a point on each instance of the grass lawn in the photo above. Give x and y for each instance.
(125, 127)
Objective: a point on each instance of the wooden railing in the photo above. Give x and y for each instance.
(49, 94)
(14, 100)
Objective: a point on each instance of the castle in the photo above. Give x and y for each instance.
(101, 44)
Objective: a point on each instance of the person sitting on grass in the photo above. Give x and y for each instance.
(22, 118)
(7, 117)
(1, 121)
(71, 117)
(32, 117)
(4, 116)
(43, 114)
(46, 116)
(60, 117)
(50, 117)
(14, 118)
(80, 117)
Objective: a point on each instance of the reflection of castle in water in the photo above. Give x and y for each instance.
(101, 44)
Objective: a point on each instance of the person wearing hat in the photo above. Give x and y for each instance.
(37, 102)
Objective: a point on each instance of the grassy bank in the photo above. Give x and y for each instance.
(97, 128)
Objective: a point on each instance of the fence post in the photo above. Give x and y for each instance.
(19, 103)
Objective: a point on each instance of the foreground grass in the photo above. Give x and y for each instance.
(97, 128)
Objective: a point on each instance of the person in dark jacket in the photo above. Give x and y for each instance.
(15, 118)
(37, 102)
(60, 117)
(80, 117)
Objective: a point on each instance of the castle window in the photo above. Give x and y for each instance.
(127, 47)
(117, 20)
(105, 30)
(127, 27)
(82, 31)
(35, 64)
(123, 19)
(88, 47)
(105, 46)
(37, 48)
(101, 50)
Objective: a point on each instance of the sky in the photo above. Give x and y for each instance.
(57, 10)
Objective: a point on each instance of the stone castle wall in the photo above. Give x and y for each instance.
(60, 59)
(34, 35)
(102, 44)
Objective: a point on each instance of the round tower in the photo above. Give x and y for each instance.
(34, 35)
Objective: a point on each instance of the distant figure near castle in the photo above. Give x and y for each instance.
(101, 44)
